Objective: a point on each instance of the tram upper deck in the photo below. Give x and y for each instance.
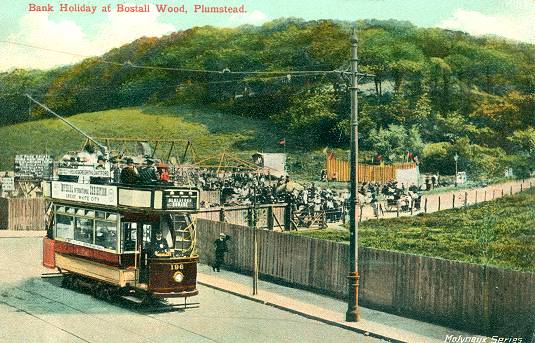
(151, 197)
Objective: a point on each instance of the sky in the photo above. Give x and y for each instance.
(93, 34)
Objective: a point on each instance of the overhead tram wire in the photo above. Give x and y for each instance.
(189, 70)
(104, 90)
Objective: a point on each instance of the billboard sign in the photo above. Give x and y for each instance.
(32, 166)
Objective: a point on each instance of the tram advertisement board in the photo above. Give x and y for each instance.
(181, 200)
(32, 166)
(87, 193)
(84, 171)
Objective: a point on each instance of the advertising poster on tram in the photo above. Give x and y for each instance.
(170, 167)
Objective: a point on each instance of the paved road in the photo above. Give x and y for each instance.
(38, 310)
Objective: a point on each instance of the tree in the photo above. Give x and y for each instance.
(310, 118)
(395, 142)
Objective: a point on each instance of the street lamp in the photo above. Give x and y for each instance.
(456, 158)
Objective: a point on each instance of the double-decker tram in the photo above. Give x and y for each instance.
(134, 241)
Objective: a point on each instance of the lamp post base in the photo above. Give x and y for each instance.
(353, 312)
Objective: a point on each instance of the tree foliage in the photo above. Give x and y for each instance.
(439, 85)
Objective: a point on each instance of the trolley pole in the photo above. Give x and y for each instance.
(353, 313)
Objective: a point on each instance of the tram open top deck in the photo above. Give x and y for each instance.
(135, 197)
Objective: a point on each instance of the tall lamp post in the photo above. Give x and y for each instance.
(456, 158)
(353, 313)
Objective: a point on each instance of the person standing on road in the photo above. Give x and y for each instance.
(220, 250)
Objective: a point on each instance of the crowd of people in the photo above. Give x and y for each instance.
(246, 188)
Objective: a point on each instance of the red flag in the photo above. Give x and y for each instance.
(282, 141)
(330, 155)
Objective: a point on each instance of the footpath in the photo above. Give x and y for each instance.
(327, 310)
(453, 198)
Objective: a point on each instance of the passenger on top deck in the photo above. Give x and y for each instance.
(148, 174)
(164, 174)
(88, 155)
(102, 165)
(130, 174)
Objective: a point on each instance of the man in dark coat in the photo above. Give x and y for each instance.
(129, 174)
(220, 250)
(148, 174)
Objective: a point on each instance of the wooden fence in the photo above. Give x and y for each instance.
(477, 298)
(338, 170)
(22, 213)
(269, 216)
(210, 197)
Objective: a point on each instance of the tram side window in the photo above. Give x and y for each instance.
(129, 237)
(106, 234)
(83, 231)
(64, 226)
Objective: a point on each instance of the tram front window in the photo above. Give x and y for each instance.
(83, 230)
(64, 226)
(129, 240)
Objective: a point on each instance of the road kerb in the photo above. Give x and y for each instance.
(312, 312)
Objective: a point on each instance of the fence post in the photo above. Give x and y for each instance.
(502, 192)
(475, 201)
(249, 217)
(439, 203)
(511, 190)
(425, 205)
(397, 210)
(493, 194)
(288, 217)
(521, 187)
(222, 214)
(453, 201)
(465, 199)
(270, 217)
(485, 196)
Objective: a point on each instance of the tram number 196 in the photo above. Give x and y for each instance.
(178, 266)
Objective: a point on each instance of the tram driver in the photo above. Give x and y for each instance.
(159, 246)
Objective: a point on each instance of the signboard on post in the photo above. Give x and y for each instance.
(88, 193)
(32, 166)
(408, 177)
(275, 163)
(8, 183)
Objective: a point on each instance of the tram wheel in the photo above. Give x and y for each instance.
(147, 300)
(66, 282)
(75, 284)
(104, 292)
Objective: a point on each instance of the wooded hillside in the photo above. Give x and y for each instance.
(435, 92)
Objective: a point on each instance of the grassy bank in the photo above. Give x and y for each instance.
(210, 131)
(499, 233)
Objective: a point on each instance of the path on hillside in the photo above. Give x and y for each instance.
(457, 199)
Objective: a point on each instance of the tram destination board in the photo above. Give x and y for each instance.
(181, 200)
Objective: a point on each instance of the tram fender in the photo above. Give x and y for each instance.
(49, 258)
